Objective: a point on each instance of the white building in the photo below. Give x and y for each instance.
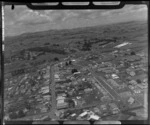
(131, 100)
(114, 76)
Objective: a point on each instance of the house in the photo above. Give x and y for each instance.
(103, 107)
(132, 73)
(108, 71)
(83, 114)
(145, 80)
(133, 82)
(75, 102)
(114, 83)
(62, 105)
(131, 100)
(114, 76)
(61, 94)
(46, 90)
(74, 114)
(56, 76)
(114, 108)
(125, 94)
(94, 117)
(105, 98)
(131, 87)
(59, 101)
(47, 97)
(87, 90)
(96, 110)
(60, 98)
(145, 85)
(137, 91)
(141, 86)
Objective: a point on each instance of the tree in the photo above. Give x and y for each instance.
(67, 64)
(70, 62)
(47, 44)
(13, 115)
(56, 59)
(21, 114)
(138, 81)
(74, 70)
(132, 53)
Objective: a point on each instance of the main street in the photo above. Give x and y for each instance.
(53, 95)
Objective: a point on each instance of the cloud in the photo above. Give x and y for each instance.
(23, 19)
(69, 14)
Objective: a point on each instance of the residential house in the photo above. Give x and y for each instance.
(131, 100)
(87, 90)
(114, 76)
(133, 82)
(132, 73)
(114, 108)
(114, 83)
(94, 117)
(103, 107)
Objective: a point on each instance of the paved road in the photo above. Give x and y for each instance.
(51, 114)
(107, 87)
(52, 87)
(99, 85)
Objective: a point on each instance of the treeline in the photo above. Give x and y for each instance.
(36, 63)
(22, 71)
(87, 44)
(49, 50)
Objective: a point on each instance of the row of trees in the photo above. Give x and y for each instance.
(49, 50)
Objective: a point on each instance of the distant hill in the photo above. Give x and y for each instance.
(124, 31)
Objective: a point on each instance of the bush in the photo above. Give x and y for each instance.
(138, 81)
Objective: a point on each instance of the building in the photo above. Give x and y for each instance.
(59, 101)
(114, 83)
(97, 110)
(94, 117)
(131, 87)
(103, 107)
(62, 105)
(133, 82)
(60, 98)
(105, 98)
(114, 108)
(61, 94)
(114, 76)
(56, 76)
(125, 94)
(132, 73)
(87, 90)
(141, 86)
(83, 114)
(45, 89)
(131, 100)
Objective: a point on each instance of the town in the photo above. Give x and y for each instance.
(89, 86)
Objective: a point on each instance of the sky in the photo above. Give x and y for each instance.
(23, 20)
